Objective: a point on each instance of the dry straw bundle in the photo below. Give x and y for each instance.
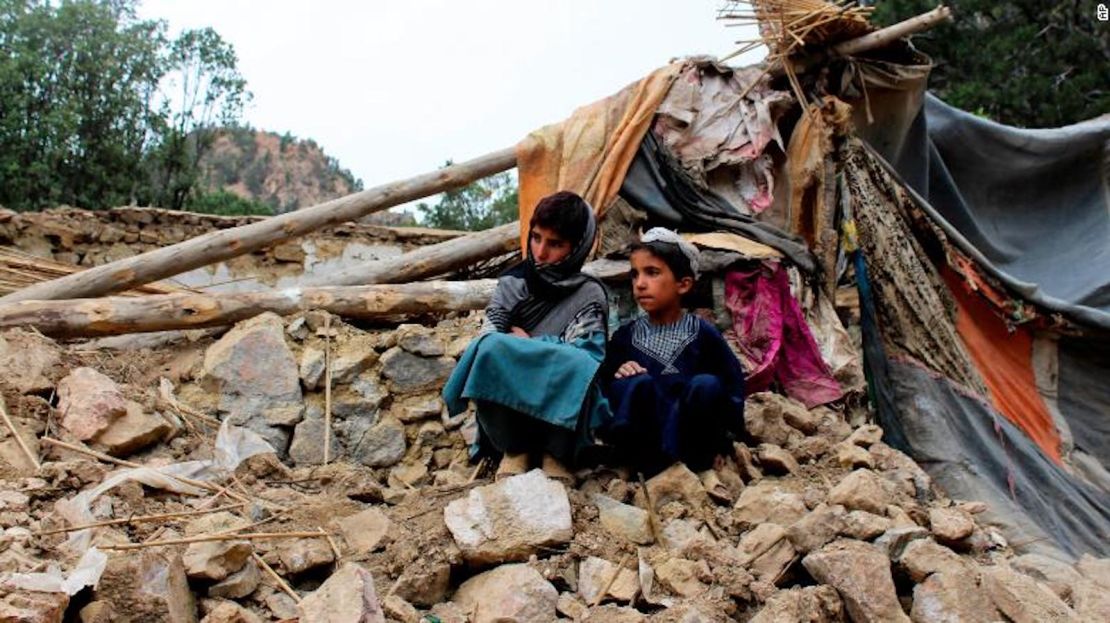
(19, 270)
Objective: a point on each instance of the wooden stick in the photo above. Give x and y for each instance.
(477, 470)
(18, 439)
(282, 584)
(653, 519)
(327, 389)
(141, 519)
(117, 315)
(888, 35)
(228, 243)
(204, 538)
(332, 545)
(608, 585)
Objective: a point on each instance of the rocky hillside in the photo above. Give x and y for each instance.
(281, 170)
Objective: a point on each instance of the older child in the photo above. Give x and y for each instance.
(675, 387)
(531, 371)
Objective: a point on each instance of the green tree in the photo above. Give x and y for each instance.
(1027, 63)
(480, 205)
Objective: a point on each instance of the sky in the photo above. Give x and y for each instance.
(394, 89)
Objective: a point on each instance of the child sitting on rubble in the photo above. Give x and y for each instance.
(675, 388)
(531, 371)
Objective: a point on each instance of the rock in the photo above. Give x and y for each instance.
(282, 606)
(307, 446)
(450, 612)
(514, 592)
(256, 377)
(850, 455)
(1022, 599)
(364, 531)
(764, 419)
(416, 408)
(147, 585)
(395, 607)
(300, 555)
(594, 575)
(360, 400)
(1094, 569)
(509, 520)
(952, 596)
(1056, 575)
(33, 607)
(745, 464)
(419, 340)
(860, 490)
(230, 612)
(215, 560)
(134, 431)
(424, 584)
(865, 436)
(458, 346)
(950, 524)
(352, 356)
(775, 460)
(239, 584)
(810, 449)
(378, 445)
(923, 557)
(767, 551)
(679, 534)
(823, 524)
(624, 521)
(571, 606)
(312, 368)
(29, 362)
(612, 613)
(409, 373)
(97, 612)
(405, 476)
(88, 402)
(813, 604)
(676, 483)
(683, 577)
(860, 572)
(765, 501)
(864, 526)
(290, 252)
(801, 419)
(1090, 601)
(895, 540)
(348, 596)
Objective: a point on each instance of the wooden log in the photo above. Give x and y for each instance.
(116, 315)
(431, 260)
(228, 243)
(890, 34)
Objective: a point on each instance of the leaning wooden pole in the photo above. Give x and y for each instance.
(228, 243)
(431, 260)
(161, 312)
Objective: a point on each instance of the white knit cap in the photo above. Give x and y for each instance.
(662, 234)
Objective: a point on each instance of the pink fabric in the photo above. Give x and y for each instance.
(773, 339)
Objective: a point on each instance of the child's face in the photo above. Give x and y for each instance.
(654, 284)
(548, 247)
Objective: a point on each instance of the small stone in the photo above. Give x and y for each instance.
(379, 445)
(860, 572)
(450, 612)
(923, 557)
(624, 521)
(850, 455)
(237, 585)
(312, 367)
(680, 534)
(895, 540)
(510, 519)
(89, 402)
(612, 613)
(397, 608)
(775, 460)
(289, 252)
(594, 575)
(810, 449)
(571, 606)
(683, 577)
(300, 555)
(353, 356)
(215, 560)
(866, 436)
(348, 596)
(765, 501)
(416, 408)
(864, 526)
(768, 551)
(1094, 569)
(307, 446)
(419, 340)
(764, 419)
(411, 373)
(514, 592)
(282, 606)
(230, 612)
(860, 490)
(813, 604)
(745, 463)
(407, 476)
(950, 524)
(1022, 599)
(801, 419)
(364, 531)
(133, 432)
(676, 483)
(424, 584)
(1090, 601)
(823, 524)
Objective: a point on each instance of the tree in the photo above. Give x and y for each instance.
(480, 205)
(1027, 63)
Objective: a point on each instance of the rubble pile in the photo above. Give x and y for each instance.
(810, 520)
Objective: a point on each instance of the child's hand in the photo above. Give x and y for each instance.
(629, 368)
(517, 331)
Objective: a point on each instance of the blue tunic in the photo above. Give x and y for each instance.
(688, 407)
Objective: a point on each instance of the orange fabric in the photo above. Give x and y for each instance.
(1005, 361)
(590, 152)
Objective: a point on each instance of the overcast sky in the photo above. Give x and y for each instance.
(393, 89)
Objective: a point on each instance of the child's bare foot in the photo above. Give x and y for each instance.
(511, 465)
(557, 471)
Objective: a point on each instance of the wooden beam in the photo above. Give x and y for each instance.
(160, 312)
(228, 243)
(431, 260)
(892, 33)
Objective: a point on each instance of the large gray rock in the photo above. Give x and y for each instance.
(860, 572)
(515, 593)
(348, 596)
(378, 444)
(89, 402)
(511, 519)
(409, 373)
(257, 378)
